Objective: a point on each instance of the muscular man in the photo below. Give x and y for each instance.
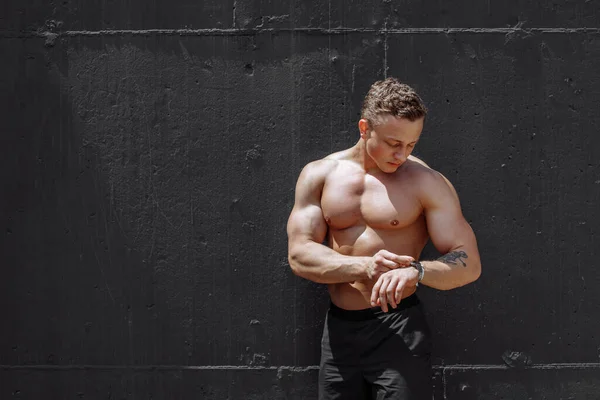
(375, 207)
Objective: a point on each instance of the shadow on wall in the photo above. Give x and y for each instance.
(120, 254)
(76, 289)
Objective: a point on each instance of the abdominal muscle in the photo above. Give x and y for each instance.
(357, 295)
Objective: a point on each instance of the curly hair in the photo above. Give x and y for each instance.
(390, 96)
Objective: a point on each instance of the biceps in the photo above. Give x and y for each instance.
(306, 223)
(449, 230)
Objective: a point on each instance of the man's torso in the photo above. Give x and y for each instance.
(366, 212)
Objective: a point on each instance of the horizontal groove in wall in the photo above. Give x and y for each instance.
(323, 31)
(457, 367)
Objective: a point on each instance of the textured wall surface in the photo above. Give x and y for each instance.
(148, 156)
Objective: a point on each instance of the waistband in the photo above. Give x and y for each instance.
(373, 312)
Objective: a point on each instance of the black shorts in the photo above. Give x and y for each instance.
(369, 354)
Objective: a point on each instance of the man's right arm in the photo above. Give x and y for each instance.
(306, 231)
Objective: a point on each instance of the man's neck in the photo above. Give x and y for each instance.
(360, 156)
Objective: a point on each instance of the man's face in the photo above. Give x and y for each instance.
(391, 141)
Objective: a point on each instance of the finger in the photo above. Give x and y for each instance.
(402, 260)
(391, 292)
(399, 290)
(383, 295)
(381, 265)
(375, 291)
(388, 264)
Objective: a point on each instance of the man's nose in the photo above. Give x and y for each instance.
(400, 156)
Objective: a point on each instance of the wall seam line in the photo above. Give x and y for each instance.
(333, 31)
(443, 368)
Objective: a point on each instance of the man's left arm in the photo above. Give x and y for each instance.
(451, 235)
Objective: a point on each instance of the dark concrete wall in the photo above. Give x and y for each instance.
(148, 155)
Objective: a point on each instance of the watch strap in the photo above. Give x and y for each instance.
(419, 267)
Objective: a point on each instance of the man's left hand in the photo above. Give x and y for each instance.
(389, 287)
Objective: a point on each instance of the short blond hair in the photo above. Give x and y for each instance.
(390, 96)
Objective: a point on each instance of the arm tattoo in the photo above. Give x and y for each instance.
(453, 256)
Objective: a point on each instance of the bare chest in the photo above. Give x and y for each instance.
(349, 201)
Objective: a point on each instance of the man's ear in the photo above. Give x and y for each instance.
(363, 127)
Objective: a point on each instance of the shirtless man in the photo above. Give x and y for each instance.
(360, 221)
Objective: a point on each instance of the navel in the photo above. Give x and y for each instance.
(394, 222)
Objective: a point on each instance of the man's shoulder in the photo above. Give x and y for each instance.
(327, 164)
(343, 155)
(320, 167)
(428, 181)
(418, 169)
(315, 173)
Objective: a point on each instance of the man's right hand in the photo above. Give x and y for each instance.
(384, 261)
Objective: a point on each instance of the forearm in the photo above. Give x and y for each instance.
(319, 263)
(454, 269)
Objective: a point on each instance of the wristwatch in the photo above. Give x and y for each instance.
(419, 267)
